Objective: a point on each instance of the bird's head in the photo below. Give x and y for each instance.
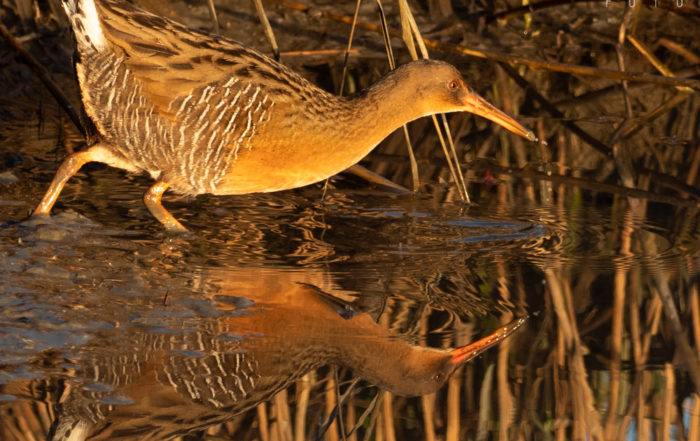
(440, 88)
(411, 370)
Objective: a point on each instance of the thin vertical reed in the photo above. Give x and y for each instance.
(330, 385)
(304, 390)
(669, 401)
(283, 421)
(454, 386)
(350, 418)
(214, 18)
(482, 431)
(392, 66)
(428, 406)
(618, 320)
(262, 422)
(268, 29)
(346, 57)
(388, 417)
(694, 428)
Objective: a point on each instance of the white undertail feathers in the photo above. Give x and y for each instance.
(86, 25)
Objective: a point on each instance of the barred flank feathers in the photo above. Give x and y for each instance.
(86, 25)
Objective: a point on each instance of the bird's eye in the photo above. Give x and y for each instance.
(452, 85)
(437, 378)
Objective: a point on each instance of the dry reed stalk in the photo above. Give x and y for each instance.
(586, 421)
(631, 127)
(19, 423)
(482, 431)
(330, 394)
(559, 387)
(283, 421)
(349, 47)
(679, 49)
(505, 100)
(669, 400)
(694, 167)
(269, 34)
(387, 412)
(659, 278)
(317, 52)
(643, 424)
(694, 427)
(505, 398)
(637, 350)
(214, 18)
(370, 176)
(453, 416)
(350, 418)
(392, 65)
(29, 422)
(694, 303)
(262, 422)
(304, 390)
(652, 324)
(617, 328)
(410, 30)
(510, 59)
(428, 407)
(694, 300)
(379, 432)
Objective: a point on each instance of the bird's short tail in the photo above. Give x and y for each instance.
(86, 24)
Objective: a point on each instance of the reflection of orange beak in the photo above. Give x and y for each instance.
(471, 351)
(479, 106)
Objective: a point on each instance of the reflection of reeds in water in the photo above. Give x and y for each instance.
(548, 382)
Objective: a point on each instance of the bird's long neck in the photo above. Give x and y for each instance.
(368, 117)
(394, 364)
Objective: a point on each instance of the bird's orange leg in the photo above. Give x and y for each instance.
(152, 200)
(69, 167)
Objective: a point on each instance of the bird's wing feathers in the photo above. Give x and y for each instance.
(171, 61)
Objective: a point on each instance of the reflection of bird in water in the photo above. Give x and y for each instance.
(172, 382)
(203, 114)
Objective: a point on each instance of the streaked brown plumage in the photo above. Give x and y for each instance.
(203, 114)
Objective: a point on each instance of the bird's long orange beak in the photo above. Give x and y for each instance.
(465, 353)
(479, 106)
